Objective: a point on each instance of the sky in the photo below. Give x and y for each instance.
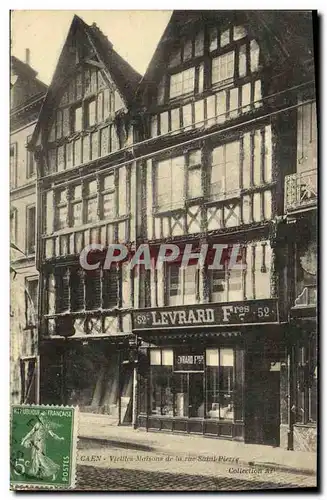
(134, 35)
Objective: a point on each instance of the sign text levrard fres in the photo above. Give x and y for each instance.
(230, 313)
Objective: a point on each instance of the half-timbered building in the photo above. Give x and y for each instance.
(220, 101)
(84, 132)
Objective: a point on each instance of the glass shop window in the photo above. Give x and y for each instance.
(161, 382)
(220, 383)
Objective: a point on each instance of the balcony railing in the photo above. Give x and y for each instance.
(301, 190)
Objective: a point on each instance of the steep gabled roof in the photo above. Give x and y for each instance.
(118, 70)
(286, 34)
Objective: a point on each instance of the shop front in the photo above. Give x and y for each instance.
(95, 374)
(211, 369)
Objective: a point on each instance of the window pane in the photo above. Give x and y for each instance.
(189, 285)
(233, 103)
(262, 272)
(212, 391)
(154, 126)
(164, 123)
(239, 32)
(109, 182)
(242, 61)
(194, 183)
(177, 180)
(246, 161)
(224, 38)
(109, 206)
(221, 107)
(254, 54)
(226, 357)
(78, 119)
(257, 212)
(232, 167)
(246, 97)
(267, 204)
(213, 39)
(77, 192)
(181, 395)
(182, 83)
(218, 285)
(174, 115)
(218, 171)
(187, 50)
(77, 214)
(212, 358)
(257, 159)
(201, 78)
(91, 212)
(223, 67)
(199, 113)
(199, 44)
(235, 288)
(155, 357)
(62, 217)
(92, 187)
(91, 112)
(187, 115)
(167, 356)
(174, 287)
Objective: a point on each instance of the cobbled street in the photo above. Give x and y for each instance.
(102, 466)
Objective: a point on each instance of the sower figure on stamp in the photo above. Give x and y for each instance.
(41, 465)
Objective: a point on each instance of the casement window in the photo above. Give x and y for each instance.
(30, 162)
(194, 181)
(182, 83)
(91, 202)
(13, 165)
(223, 67)
(31, 296)
(225, 170)
(252, 282)
(220, 383)
(108, 197)
(13, 225)
(182, 285)
(61, 209)
(77, 206)
(257, 161)
(30, 229)
(77, 118)
(170, 184)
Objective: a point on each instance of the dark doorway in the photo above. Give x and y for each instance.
(262, 399)
(196, 399)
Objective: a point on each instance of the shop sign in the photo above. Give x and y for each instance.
(189, 362)
(224, 314)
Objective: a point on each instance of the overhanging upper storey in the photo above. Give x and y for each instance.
(85, 115)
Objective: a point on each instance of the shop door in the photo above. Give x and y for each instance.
(261, 401)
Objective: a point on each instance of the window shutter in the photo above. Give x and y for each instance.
(77, 289)
(62, 291)
(93, 289)
(110, 288)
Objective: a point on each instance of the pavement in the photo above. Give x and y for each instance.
(122, 458)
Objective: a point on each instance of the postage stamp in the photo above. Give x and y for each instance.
(43, 446)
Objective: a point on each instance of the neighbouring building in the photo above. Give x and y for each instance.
(85, 131)
(220, 351)
(301, 197)
(26, 94)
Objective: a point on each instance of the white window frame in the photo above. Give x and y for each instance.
(220, 65)
(183, 89)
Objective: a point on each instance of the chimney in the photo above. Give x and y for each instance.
(27, 56)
